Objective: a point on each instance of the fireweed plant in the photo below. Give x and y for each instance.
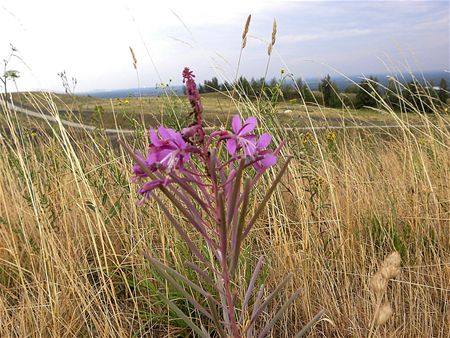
(208, 178)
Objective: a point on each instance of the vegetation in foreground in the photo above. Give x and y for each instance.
(71, 234)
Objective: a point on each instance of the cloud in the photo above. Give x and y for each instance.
(335, 34)
(90, 39)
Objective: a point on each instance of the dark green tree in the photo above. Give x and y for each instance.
(329, 90)
(392, 94)
(418, 98)
(367, 93)
(443, 91)
(243, 85)
(211, 85)
(351, 89)
(256, 85)
(304, 89)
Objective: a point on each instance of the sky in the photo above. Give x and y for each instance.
(90, 40)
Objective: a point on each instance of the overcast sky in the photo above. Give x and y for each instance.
(91, 39)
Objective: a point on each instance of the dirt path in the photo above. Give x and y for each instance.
(51, 118)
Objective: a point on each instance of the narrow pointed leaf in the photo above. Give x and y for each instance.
(271, 296)
(182, 233)
(251, 324)
(183, 316)
(203, 273)
(191, 192)
(189, 207)
(179, 288)
(223, 227)
(266, 198)
(236, 240)
(215, 317)
(310, 324)
(251, 285)
(177, 275)
(277, 315)
(235, 192)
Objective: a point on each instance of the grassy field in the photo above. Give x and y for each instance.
(219, 107)
(71, 233)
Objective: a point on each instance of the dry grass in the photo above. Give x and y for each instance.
(70, 234)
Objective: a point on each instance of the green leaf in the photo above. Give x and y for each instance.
(161, 268)
(90, 205)
(182, 315)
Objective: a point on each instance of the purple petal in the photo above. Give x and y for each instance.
(263, 141)
(269, 160)
(152, 157)
(167, 133)
(138, 171)
(236, 124)
(137, 168)
(178, 139)
(149, 186)
(231, 146)
(249, 147)
(153, 137)
(249, 125)
(249, 137)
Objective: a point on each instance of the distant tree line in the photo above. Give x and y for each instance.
(367, 93)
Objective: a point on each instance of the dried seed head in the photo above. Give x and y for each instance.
(274, 31)
(134, 58)
(269, 49)
(390, 271)
(247, 26)
(383, 314)
(391, 266)
(393, 259)
(244, 42)
(378, 284)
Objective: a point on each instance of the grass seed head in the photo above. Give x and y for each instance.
(246, 28)
(391, 266)
(384, 312)
(378, 284)
(134, 58)
(274, 32)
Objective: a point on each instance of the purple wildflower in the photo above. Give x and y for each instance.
(170, 151)
(268, 159)
(242, 136)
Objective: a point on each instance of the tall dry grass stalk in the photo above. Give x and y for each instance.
(269, 52)
(243, 45)
(134, 59)
(71, 233)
